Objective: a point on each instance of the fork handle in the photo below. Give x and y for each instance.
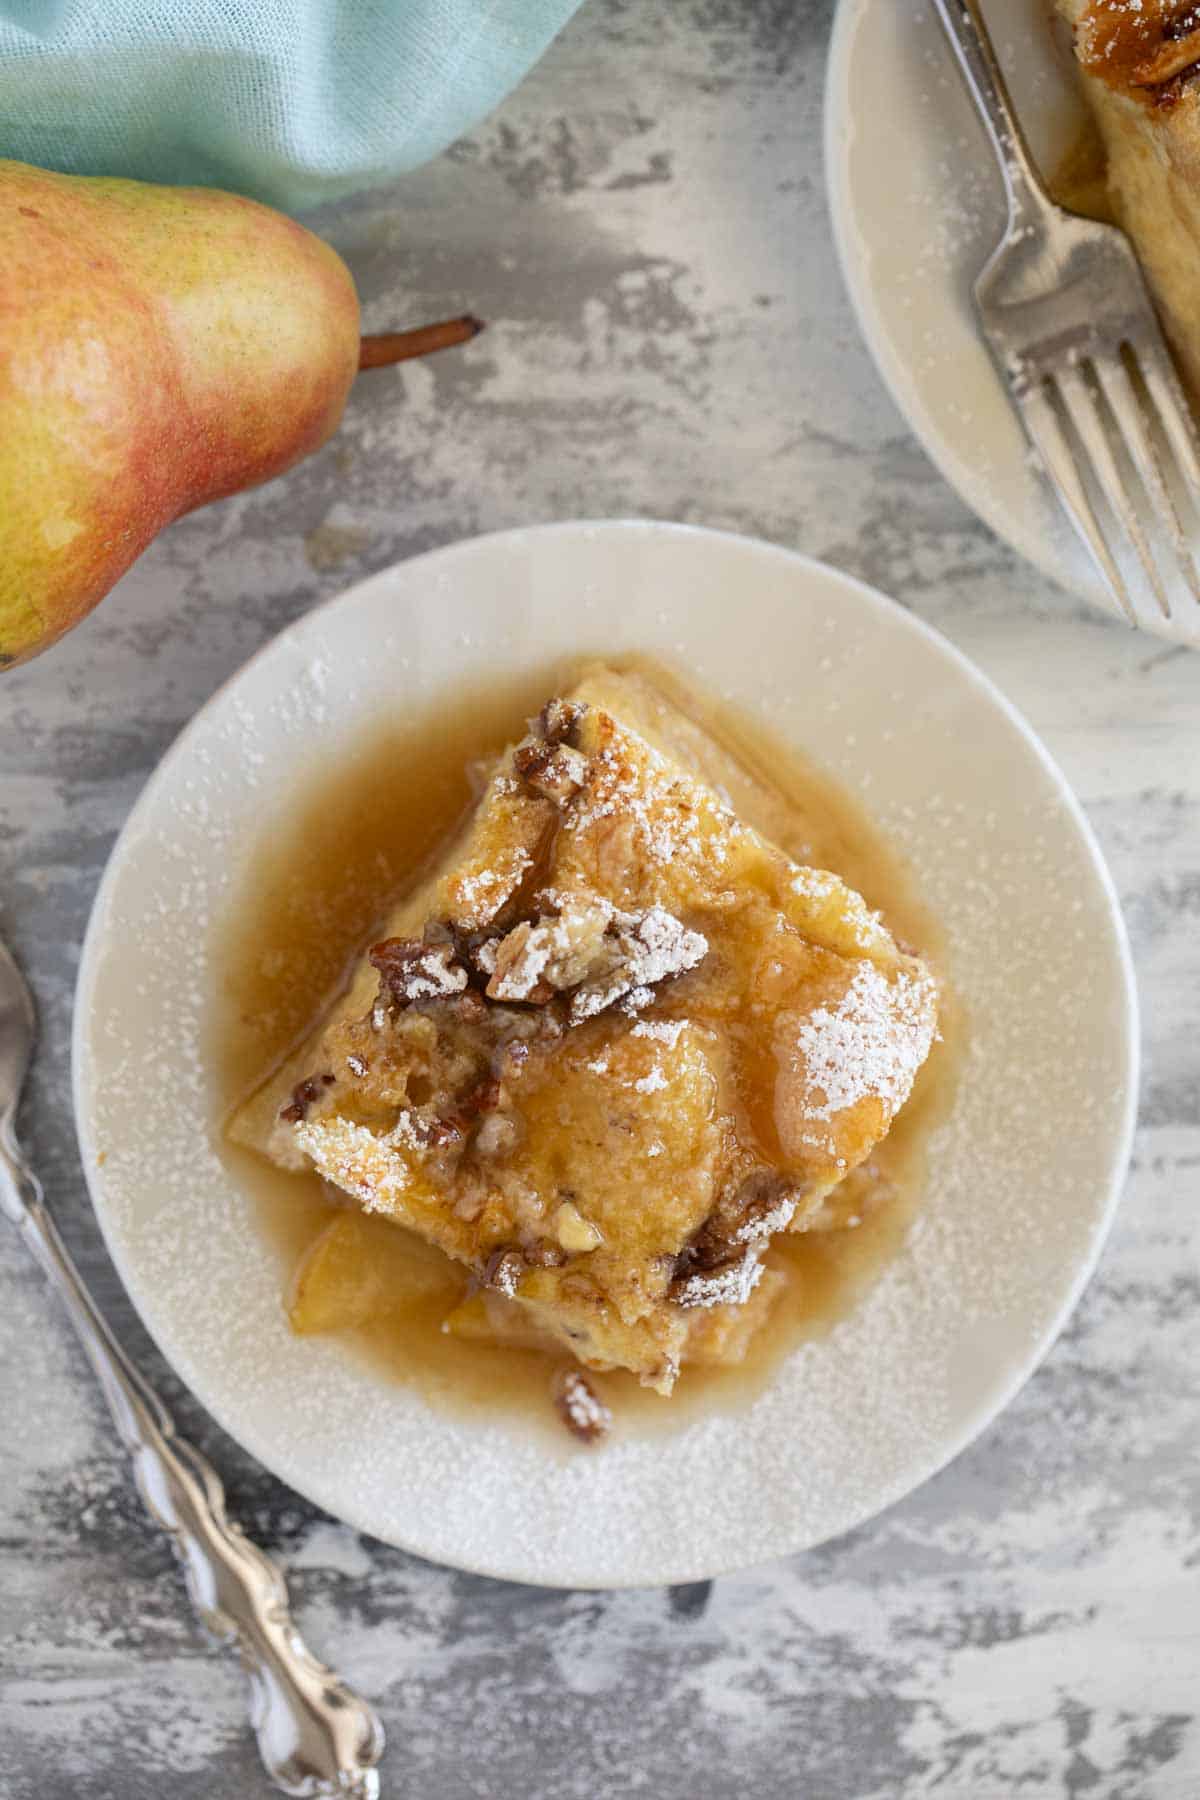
(316, 1737)
(971, 41)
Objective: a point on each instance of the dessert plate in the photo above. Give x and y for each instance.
(917, 207)
(1024, 1171)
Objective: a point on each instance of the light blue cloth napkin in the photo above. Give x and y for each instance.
(293, 101)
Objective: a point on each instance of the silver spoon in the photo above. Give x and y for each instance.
(316, 1737)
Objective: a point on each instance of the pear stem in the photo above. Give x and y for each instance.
(385, 347)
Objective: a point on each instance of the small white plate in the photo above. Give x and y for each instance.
(917, 206)
(1025, 1173)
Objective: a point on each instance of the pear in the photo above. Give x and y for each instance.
(159, 347)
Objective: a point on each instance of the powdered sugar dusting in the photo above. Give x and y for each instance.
(671, 815)
(432, 974)
(651, 1083)
(478, 897)
(353, 1158)
(557, 949)
(666, 1031)
(866, 928)
(765, 1225)
(731, 1286)
(870, 1044)
(582, 1410)
(815, 884)
(653, 947)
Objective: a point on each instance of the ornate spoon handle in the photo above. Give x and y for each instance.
(316, 1737)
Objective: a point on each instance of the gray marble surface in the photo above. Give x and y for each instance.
(644, 225)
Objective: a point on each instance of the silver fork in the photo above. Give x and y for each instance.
(1066, 310)
(316, 1736)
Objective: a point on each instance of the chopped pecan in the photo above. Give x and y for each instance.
(503, 1271)
(410, 970)
(521, 956)
(481, 1099)
(602, 955)
(483, 956)
(551, 953)
(470, 1004)
(730, 1285)
(721, 1264)
(559, 720)
(580, 1407)
(1185, 21)
(761, 1205)
(303, 1095)
(473, 950)
(478, 1101)
(553, 770)
(707, 1250)
(646, 948)
(544, 1255)
(423, 1131)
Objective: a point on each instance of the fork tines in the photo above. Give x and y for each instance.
(1094, 419)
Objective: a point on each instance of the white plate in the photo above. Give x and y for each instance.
(1025, 1172)
(917, 206)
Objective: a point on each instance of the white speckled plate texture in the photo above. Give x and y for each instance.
(1025, 1173)
(917, 206)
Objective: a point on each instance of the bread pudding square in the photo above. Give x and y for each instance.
(1140, 66)
(612, 1045)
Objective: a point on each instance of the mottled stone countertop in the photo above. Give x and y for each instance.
(644, 225)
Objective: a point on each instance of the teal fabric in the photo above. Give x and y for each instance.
(292, 101)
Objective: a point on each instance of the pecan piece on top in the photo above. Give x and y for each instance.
(580, 1407)
(730, 1285)
(550, 953)
(553, 770)
(559, 719)
(303, 1095)
(410, 970)
(648, 948)
(503, 1270)
(721, 1264)
(518, 969)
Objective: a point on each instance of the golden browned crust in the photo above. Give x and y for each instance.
(1141, 75)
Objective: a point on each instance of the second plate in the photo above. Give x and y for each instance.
(917, 206)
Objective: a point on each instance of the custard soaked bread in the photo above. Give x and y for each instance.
(611, 1046)
(1141, 69)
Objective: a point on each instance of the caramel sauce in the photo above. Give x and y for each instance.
(341, 851)
(1080, 181)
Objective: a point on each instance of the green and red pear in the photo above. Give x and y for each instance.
(159, 347)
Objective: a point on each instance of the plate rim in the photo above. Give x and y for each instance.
(982, 1417)
(837, 128)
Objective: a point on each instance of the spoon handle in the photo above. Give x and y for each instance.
(317, 1738)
